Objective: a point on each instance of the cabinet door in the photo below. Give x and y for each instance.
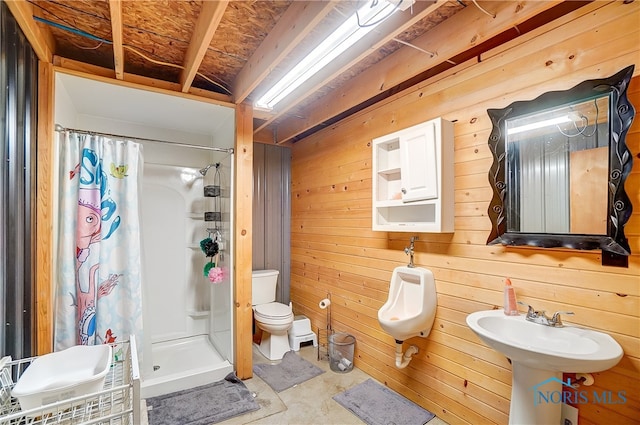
(418, 160)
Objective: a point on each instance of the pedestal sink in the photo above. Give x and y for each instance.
(539, 355)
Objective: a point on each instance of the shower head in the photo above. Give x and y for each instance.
(204, 170)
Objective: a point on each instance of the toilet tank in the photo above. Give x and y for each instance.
(263, 286)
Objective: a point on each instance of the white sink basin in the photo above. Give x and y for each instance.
(539, 355)
(565, 349)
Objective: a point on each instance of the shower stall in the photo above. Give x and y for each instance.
(187, 319)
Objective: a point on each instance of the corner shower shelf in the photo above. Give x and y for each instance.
(206, 216)
(195, 216)
(198, 314)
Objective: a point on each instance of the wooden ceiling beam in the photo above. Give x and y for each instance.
(85, 70)
(40, 38)
(208, 21)
(115, 9)
(385, 32)
(466, 29)
(296, 23)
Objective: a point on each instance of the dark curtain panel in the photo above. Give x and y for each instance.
(18, 107)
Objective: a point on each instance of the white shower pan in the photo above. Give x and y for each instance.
(184, 363)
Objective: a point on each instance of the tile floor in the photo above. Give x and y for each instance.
(307, 403)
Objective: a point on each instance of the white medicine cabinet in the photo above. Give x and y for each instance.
(413, 179)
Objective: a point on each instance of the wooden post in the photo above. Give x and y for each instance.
(243, 240)
(44, 206)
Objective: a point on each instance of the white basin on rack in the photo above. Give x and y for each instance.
(73, 372)
(539, 354)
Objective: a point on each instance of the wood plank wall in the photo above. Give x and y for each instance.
(333, 248)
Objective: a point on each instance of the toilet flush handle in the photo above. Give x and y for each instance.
(409, 250)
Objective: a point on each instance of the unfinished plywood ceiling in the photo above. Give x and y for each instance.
(233, 51)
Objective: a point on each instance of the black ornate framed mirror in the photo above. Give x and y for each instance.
(559, 166)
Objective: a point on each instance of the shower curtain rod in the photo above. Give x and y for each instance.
(60, 128)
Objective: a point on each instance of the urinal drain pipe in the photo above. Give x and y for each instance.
(403, 360)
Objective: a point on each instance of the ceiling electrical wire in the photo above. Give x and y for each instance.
(97, 46)
(374, 3)
(406, 43)
(65, 5)
(483, 10)
(432, 54)
(124, 46)
(137, 29)
(420, 49)
(157, 62)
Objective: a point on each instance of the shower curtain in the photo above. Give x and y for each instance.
(99, 289)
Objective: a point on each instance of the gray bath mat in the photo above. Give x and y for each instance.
(203, 405)
(292, 370)
(378, 405)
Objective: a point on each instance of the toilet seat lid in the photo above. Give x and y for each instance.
(273, 310)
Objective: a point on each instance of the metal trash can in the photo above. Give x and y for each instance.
(341, 346)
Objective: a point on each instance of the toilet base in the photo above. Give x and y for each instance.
(274, 347)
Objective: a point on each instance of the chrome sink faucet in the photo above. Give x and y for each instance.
(409, 250)
(541, 318)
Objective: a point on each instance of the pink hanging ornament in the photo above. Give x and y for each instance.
(216, 274)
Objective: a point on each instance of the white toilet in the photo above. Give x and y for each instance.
(274, 318)
(410, 309)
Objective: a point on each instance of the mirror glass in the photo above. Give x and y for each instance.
(559, 166)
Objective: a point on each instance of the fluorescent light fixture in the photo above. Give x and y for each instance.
(538, 124)
(353, 29)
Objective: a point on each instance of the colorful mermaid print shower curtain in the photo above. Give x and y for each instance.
(98, 267)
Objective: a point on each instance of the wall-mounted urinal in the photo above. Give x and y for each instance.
(410, 309)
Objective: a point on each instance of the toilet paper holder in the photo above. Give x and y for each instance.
(323, 334)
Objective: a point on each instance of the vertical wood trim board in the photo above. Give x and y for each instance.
(334, 250)
(44, 221)
(243, 241)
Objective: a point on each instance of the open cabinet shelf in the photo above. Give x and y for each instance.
(413, 179)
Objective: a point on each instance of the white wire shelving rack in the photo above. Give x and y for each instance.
(117, 404)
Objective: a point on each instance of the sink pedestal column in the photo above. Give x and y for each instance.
(527, 404)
